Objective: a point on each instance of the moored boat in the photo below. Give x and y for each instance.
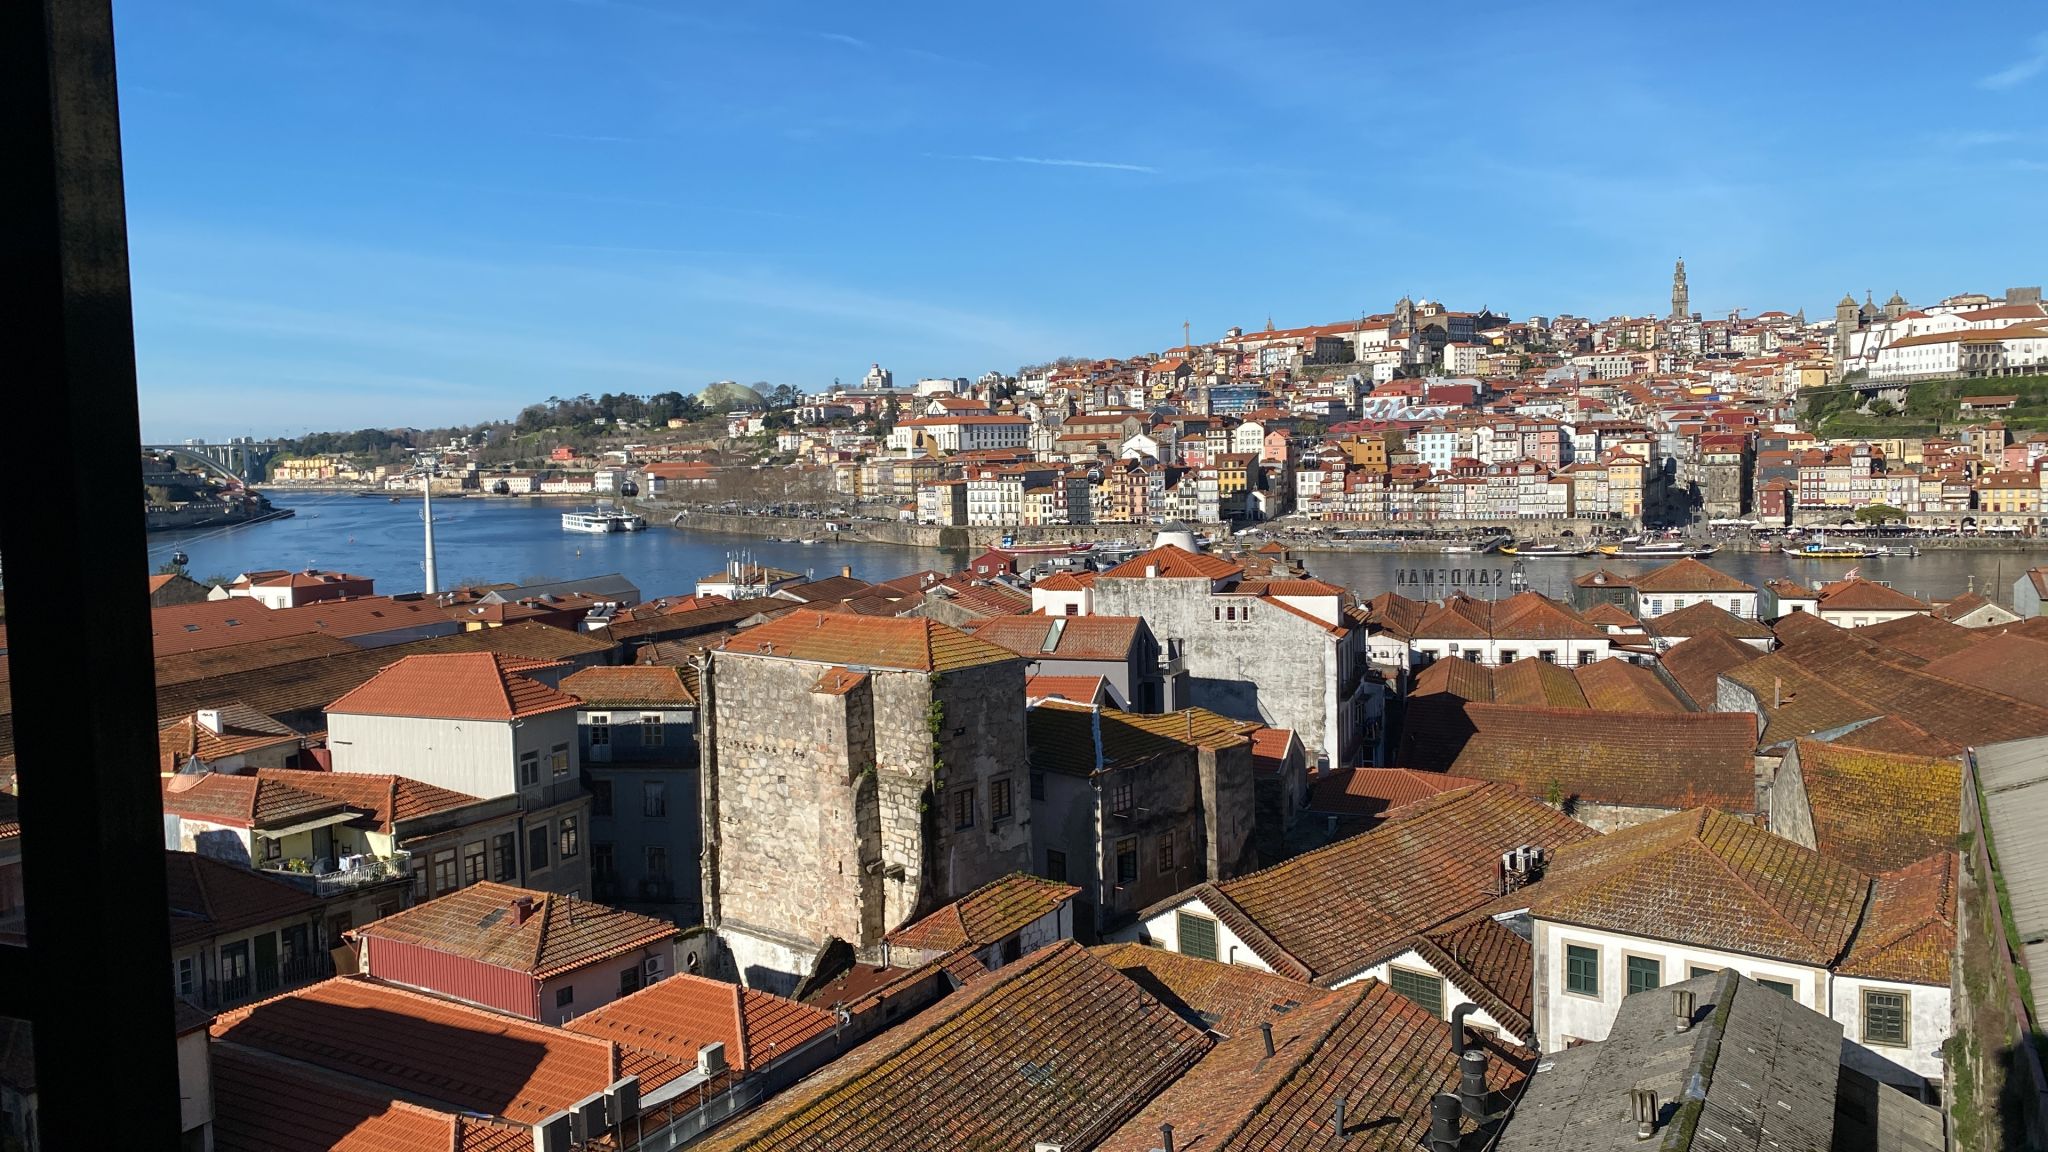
(1657, 550)
(1544, 551)
(597, 523)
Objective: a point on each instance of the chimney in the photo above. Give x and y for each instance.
(1443, 1122)
(1151, 570)
(846, 570)
(1337, 1121)
(1266, 1032)
(522, 908)
(1166, 1138)
(1642, 1106)
(1472, 1095)
(1683, 1003)
(209, 719)
(1777, 692)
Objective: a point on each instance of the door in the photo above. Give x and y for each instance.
(266, 962)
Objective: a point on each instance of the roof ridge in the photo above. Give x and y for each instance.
(1699, 837)
(739, 1025)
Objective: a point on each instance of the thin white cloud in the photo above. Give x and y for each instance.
(1981, 139)
(2028, 67)
(1053, 162)
(843, 38)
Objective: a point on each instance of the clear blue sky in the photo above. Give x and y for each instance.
(388, 212)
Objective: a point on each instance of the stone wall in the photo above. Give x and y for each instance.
(827, 825)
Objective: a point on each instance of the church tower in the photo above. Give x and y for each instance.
(1846, 321)
(1681, 298)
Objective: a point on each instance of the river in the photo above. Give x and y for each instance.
(491, 540)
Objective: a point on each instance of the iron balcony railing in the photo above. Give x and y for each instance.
(360, 872)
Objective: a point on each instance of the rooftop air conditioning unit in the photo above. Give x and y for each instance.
(552, 1134)
(622, 1101)
(587, 1118)
(711, 1058)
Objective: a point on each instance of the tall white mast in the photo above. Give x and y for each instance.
(427, 512)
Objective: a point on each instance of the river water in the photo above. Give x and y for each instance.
(490, 540)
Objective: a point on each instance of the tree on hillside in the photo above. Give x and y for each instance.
(1879, 514)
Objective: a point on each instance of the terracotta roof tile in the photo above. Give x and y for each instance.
(1057, 1046)
(1270, 748)
(1608, 615)
(482, 686)
(385, 798)
(1949, 709)
(1861, 595)
(1697, 664)
(1490, 964)
(1109, 638)
(477, 923)
(1374, 792)
(984, 916)
(1927, 637)
(1431, 862)
(1706, 878)
(1657, 760)
(1537, 684)
(630, 686)
(1688, 575)
(399, 1043)
(1878, 811)
(1171, 562)
(679, 1015)
(1076, 689)
(209, 898)
(265, 1103)
(1702, 616)
(1891, 734)
(1619, 686)
(2010, 663)
(1078, 740)
(913, 643)
(1909, 933)
(244, 801)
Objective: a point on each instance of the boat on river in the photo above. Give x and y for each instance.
(595, 523)
(1545, 551)
(1657, 549)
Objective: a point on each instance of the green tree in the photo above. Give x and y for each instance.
(1883, 409)
(1879, 514)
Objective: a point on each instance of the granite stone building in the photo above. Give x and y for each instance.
(858, 773)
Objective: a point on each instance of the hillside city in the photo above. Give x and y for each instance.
(1159, 841)
(1930, 417)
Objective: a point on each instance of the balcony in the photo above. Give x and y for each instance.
(357, 873)
(219, 995)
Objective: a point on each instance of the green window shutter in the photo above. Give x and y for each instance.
(1197, 935)
(1884, 1018)
(1421, 987)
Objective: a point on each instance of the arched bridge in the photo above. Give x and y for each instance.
(246, 463)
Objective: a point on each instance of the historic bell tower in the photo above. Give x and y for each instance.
(1681, 299)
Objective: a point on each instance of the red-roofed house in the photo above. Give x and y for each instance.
(282, 589)
(481, 724)
(531, 954)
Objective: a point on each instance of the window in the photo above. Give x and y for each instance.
(1197, 935)
(234, 967)
(504, 858)
(568, 842)
(529, 769)
(1038, 785)
(272, 849)
(444, 872)
(537, 848)
(1656, 607)
(1784, 987)
(600, 797)
(1123, 793)
(601, 861)
(1425, 988)
(1166, 853)
(629, 980)
(600, 730)
(1695, 973)
(654, 798)
(657, 862)
(558, 760)
(1585, 657)
(1547, 655)
(650, 730)
(1127, 860)
(1056, 865)
(1582, 970)
(188, 975)
(1644, 973)
(565, 996)
(1884, 1017)
(963, 806)
(999, 807)
(1507, 655)
(473, 863)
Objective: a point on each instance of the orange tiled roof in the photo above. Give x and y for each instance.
(1861, 595)
(913, 643)
(1074, 689)
(2010, 663)
(986, 915)
(630, 686)
(1434, 860)
(679, 1015)
(1878, 811)
(1079, 740)
(242, 730)
(1928, 637)
(1697, 663)
(1490, 964)
(1638, 759)
(477, 923)
(397, 1043)
(1056, 1044)
(1171, 562)
(1702, 616)
(1377, 791)
(210, 897)
(244, 801)
(385, 798)
(1910, 931)
(1688, 575)
(483, 686)
(267, 1103)
(1619, 686)
(1062, 637)
(1706, 878)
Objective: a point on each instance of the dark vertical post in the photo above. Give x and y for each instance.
(93, 864)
